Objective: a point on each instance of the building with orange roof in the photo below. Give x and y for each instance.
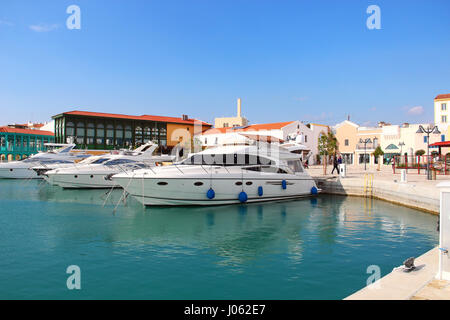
(281, 131)
(18, 143)
(107, 131)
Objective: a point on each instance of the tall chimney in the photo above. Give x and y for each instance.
(239, 107)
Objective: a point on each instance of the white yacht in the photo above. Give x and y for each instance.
(226, 174)
(56, 154)
(97, 173)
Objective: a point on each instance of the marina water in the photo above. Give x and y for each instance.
(315, 248)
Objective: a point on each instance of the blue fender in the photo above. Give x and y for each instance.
(260, 191)
(243, 197)
(210, 194)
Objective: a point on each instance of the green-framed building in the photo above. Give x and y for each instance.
(17, 143)
(107, 131)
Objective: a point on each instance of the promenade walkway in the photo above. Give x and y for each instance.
(417, 192)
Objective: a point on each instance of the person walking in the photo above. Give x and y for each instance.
(335, 165)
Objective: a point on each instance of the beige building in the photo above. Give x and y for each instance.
(394, 140)
(227, 122)
(351, 138)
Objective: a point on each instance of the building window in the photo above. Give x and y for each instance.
(225, 125)
(306, 139)
(217, 140)
(39, 144)
(128, 136)
(18, 142)
(147, 134)
(109, 134)
(162, 135)
(444, 119)
(443, 138)
(2, 142)
(347, 158)
(80, 133)
(100, 134)
(11, 143)
(138, 136)
(443, 106)
(119, 136)
(90, 133)
(425, 139)
(155, 133)
(32, 143)
(364, 158)
(375, 143)
(346, 142)
(70, 132)
(206, 140)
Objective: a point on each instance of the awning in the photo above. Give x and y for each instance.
(392, 147)
(442, 144)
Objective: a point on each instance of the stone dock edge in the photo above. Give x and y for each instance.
(413, 195)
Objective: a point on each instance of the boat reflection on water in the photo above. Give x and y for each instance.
(235, 233)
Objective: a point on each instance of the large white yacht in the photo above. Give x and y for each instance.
(56, 154)
(97, 173)
(236, 173)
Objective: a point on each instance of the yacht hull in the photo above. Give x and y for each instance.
(188, 192)
(82, 181)
(17, 173)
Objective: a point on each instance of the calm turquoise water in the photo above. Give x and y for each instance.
(307, 249)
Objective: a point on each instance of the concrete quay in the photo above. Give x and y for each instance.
(419, 284)
(417, 192)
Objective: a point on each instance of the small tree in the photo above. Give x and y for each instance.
(420, 152)
(377, 154)
(328, 145)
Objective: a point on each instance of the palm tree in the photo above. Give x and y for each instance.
(328, 145)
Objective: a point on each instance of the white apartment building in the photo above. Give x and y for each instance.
(307, 135)
(441, 109)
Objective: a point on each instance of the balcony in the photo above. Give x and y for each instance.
(369, 146)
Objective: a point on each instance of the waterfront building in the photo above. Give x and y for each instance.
(19, 143)
(394, 140)
(352, 147)
(406, 139)
(107, 131)
(227, 122)
(442, 115)
(307, 135)
(441, 109)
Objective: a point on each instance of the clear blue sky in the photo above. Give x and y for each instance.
(308, 60)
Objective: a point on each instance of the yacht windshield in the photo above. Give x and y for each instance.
(119, 161)
(101, 160)
(295, 165)
(52, 161)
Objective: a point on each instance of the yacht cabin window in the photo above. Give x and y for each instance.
(295, 165)
(227, 160)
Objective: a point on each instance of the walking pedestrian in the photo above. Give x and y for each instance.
(335, 165)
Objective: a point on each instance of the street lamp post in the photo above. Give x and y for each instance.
(428, 131)
(401, 144)
(365, 141)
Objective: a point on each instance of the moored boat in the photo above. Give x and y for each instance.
(227, 174)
